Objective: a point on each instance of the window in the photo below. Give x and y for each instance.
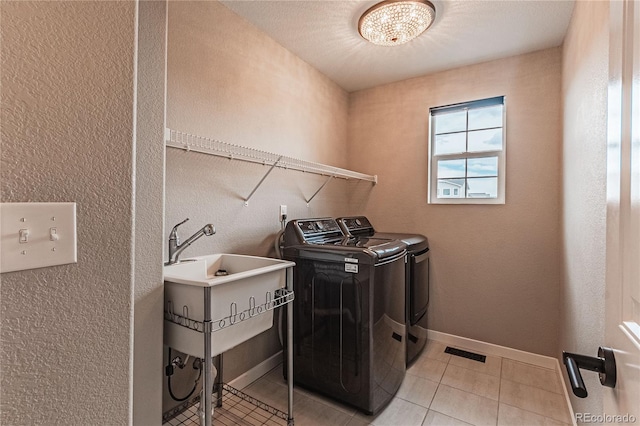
(467, 153)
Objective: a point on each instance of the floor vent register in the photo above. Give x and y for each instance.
(465, 354)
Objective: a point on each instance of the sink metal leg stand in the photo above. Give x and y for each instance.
(290, 421)
(219, 381)
(208, 362)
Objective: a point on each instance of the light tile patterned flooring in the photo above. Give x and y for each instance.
(439, 389)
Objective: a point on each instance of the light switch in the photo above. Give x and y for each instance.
(36, 235)
(23, 236)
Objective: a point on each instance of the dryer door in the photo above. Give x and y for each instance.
(418, 285)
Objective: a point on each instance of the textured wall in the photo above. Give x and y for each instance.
(229, 81)
(584, 92)
(495, 268)
(67, 135)
(149, 213)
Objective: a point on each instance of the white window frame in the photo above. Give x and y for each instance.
(432, 196)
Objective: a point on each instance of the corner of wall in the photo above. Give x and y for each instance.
(583, 208)
(148, 293)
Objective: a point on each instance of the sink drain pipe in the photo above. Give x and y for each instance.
(169, 373)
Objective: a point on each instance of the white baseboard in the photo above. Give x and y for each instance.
(491, 349)
(502, 351)
(256, 372)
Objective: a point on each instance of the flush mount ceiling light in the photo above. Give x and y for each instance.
(394, 22)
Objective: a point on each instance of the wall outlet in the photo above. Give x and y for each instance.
(283, 212)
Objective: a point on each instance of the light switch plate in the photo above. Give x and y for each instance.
(36, 235)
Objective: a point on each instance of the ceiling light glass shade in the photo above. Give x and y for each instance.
(394, 22)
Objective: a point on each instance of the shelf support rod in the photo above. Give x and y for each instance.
(273, 166)
(207, 382)
(289, 278)
(320, 189)
(218, 381)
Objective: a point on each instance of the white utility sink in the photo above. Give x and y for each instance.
(250, 282)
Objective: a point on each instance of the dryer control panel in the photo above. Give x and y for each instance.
(315, 226)
(357, 225)
(313, 231)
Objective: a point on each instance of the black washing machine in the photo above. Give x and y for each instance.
(417, 278)
(349, 321)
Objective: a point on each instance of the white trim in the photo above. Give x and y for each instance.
(491, 349)
(502, 351)
(630, 330)
(432, 175)
(250, 376)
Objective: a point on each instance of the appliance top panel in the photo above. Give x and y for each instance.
(359, 226)
(327, 233)
(366, 242)
(383, 248)
(313, 231)
(356, 225)
(414, 242)
(369, 251)
(317, 226)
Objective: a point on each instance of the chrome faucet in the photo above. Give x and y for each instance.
(175, 248)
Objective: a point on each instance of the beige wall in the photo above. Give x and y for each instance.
(495, 268)
(68, 135)
(584, 92)
(229, 81)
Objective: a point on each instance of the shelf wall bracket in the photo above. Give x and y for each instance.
(273, 166)
(319, 189)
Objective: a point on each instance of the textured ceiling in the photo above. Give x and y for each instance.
(324, 33)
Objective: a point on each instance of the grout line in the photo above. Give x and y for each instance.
(434, 396)
(543, 390)
(439, 381)
(450, 416)
(533, 386)
(537, 414)
(438, 388)
(476, 370)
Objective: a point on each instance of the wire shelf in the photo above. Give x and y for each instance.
(189, 142)
(190, 413)
(282, 297)
(256, 402)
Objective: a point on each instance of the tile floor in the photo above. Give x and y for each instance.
(439, 389)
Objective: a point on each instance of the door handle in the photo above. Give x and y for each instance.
(421, 257)
(604, 364)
